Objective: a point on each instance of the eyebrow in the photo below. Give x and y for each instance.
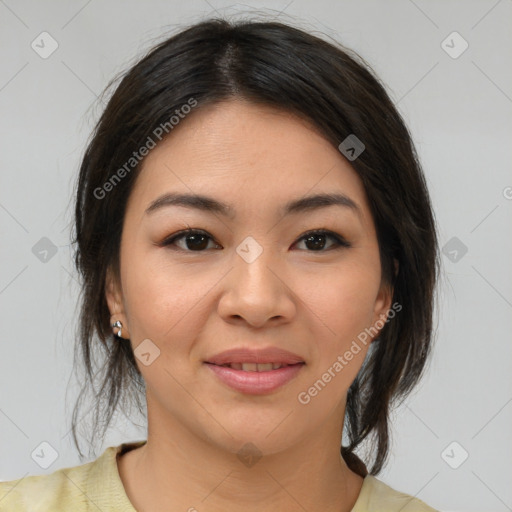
(211, 205)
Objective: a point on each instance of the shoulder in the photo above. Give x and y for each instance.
(376, 496)
(72, 488)
(60, 490)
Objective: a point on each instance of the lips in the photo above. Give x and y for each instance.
(255, 359)
(255, 372)
(254, 367)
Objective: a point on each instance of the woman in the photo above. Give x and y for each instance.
(259, 257)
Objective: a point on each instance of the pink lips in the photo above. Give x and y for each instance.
(255, 382)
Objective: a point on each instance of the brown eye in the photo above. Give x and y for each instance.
(193, 240)
(316, 240)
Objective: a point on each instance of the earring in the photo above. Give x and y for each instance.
(119, 325)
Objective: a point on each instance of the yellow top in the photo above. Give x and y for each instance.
(98, 486)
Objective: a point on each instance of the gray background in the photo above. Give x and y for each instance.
(459, 111)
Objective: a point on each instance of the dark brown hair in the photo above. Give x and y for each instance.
(287, 68)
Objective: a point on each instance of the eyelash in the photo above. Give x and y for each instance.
(340, 241)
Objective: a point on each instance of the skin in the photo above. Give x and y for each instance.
(195, 304)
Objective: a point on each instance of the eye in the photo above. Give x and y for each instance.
(196, 240)
(316, 240)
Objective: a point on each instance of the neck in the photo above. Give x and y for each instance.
(193, 475)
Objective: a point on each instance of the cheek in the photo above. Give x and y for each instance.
(167, 307)
(342, 302)
(163, 302)
(340, 311)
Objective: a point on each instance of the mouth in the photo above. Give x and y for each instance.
(248, 359)
(255, 371)
(255, 378)
(255, 367)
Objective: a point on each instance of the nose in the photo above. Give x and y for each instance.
(257, 290)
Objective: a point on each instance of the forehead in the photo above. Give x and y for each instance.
(252, 157)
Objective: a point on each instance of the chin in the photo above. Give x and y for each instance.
(266, 430)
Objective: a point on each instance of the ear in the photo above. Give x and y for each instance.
(383, 303)
(114, 297)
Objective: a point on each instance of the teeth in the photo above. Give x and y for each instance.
(258, 367)
(255, 367)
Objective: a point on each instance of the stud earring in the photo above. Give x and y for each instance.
(119, 325)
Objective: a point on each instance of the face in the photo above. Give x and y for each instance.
(251, 277)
